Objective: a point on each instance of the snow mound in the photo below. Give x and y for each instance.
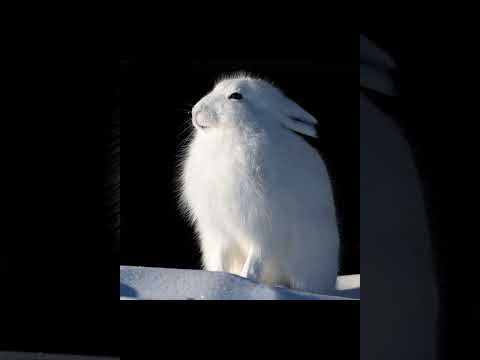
(144, 283)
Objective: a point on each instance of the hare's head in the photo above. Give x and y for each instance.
(241, 100)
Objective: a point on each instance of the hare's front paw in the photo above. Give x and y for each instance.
(252, 267)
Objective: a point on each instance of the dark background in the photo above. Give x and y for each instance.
(53, 239)
(59, 272)
(59, 255)
(432, 112)
(153, 95)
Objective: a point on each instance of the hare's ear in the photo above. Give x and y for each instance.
(298, 120)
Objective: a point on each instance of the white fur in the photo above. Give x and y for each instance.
(258, 194)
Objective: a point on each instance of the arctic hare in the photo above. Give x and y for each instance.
(258, 194)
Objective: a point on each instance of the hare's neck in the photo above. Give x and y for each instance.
(241, 148)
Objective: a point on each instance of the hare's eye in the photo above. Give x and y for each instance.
(235, 96)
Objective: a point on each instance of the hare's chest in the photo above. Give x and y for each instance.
(219, 170)
(221, 179)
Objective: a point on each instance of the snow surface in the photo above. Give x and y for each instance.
(146, 283)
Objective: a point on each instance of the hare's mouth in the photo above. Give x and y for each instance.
(198, 125)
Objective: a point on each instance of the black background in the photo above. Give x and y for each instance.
(59, 270)
(432, 112)
(59, 256)
(53, 224)
(153, 95)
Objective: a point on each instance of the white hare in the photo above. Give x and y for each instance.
(258, 194)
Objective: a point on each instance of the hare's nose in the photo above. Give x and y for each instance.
(198, 108)
(195, 110)
(199, 116)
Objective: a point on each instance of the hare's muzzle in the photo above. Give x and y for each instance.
(197, 124)
(202, 118)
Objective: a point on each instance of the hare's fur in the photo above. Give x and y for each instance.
(258, 194)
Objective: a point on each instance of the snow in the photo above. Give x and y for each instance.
(146, 283)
